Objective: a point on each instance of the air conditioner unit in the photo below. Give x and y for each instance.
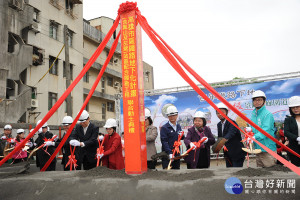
(34, 103)
(35, 27)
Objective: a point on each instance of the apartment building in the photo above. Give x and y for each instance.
(32, 35)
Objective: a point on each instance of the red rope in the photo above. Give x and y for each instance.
(166, 53)
(103, 43)
(127, 6)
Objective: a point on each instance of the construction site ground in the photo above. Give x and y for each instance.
(103, 183)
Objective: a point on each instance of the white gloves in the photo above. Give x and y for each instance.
(55, 139)
(3, 137)
(12, 141)
(100, 137)
(49, 143)
(171, 156)
(205, 140)
(248, 129)
(75, 143)
(250, 140)
(298, 139)
(29, 144)
(192, 145)
(100, 156)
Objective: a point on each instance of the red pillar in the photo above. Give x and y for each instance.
(133, 95)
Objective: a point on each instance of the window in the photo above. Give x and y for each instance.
(70, 38)
(112, 58)
(52, 98)
(36, 15)
(53, 29)
(37, 56)
(110, 81)
(12, 43)
(87, 108)
(69, 7)
(86, 77)
(147, 76)
(110, 106)
(103, 111)
(103, 85)
(54, 68)
(71, 70)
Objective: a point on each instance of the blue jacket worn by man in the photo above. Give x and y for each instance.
(168, 136)
(265, 120)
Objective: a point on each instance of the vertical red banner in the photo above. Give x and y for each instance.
(133, 95)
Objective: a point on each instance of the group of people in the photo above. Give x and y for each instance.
(85, 139)
(230, 139)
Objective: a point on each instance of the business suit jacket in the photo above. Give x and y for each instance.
(234, 144)
(90, 141)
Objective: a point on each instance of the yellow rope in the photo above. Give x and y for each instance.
(52, 64)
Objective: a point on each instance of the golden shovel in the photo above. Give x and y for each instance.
(251, 150)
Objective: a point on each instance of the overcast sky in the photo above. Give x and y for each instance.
(219, 39)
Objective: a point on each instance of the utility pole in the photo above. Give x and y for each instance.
(68, 71)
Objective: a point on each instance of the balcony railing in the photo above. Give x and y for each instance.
(98, 36)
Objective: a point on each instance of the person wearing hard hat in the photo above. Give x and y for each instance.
(3, 140)
(151, 135)
(43, 154)
(20, 155)
(169, 135)
(199, 158)
(66, 123)
(112, 157)
(231, 139)
(292, 128)
(265, 120)
(85, 137)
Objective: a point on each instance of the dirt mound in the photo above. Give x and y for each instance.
(251, 172)
(278, 168)
(104, 172)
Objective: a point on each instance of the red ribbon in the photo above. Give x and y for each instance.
(165, 50)
(100, 151)
(177, 144)
(89, 63)
(65, 94)
(72, 160)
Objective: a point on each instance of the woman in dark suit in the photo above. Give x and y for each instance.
(292, 128)
(199, 158)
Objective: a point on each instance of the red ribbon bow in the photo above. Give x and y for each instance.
(72, 160)
(100, 151)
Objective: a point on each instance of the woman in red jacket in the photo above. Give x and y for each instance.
(112, 157)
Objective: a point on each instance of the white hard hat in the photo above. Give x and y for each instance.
(222, 105)
(199, 114)
(84, 116)
(20, 131)
(147, 113)
(7, 127)
(172, 110)
(67, 120)
(44, 125)
(294, 101)
(258, 93)
(110, 123)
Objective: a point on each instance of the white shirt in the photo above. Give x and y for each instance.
(223, 124)
(85, 129)
(173, 126)
(298, 123)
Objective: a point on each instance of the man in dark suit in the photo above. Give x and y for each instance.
(168, 135)
(85, 137)
(235, 156)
